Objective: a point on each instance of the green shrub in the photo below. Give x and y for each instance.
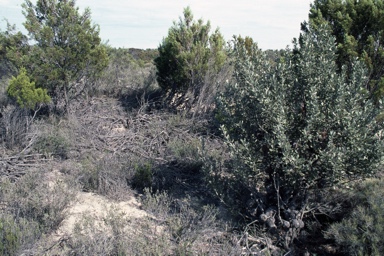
(53, 144)
(187, 53)
(143, 176)
(25, 93)
(55, 61)
(355, 25)
(362, 232)
(298, 126)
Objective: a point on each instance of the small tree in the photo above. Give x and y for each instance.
(68, 53)
(298, 126)
(187, 53)
(26, 94)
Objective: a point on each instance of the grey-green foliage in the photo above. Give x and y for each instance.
(53, 144)
(299, 125)
(362, 232)
(34, 200)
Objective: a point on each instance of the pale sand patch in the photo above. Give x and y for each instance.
(94, 214)
(97, 207)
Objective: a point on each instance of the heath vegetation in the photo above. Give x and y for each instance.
(199, 147)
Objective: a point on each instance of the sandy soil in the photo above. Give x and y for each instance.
(93, 207)
(97, 207)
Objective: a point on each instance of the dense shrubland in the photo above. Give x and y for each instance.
(230, 150)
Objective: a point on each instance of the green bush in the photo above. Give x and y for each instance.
(11, 42)
(362, 232)
(186, 54)
(53, 144)
(25, 93)
(143, 176)
(67, 55)
(298, 126)
(358, 29)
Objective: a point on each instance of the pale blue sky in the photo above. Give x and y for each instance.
(144, 23)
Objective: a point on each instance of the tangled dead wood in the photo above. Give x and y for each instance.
(103, 125)
(16, 166)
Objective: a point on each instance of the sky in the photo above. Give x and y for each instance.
(144, 23)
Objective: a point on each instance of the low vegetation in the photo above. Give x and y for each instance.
(361, 231)
(247, 152)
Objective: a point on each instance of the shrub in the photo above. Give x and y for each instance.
(38, 201)
(355, 25)
(118, 234)
(53, 144)
(109, 176)
(186, 154)
(124, 77)
(17, 234)
(4, 100)
(143, 176)
(24, 92)
(9, 237)
(190, 229)
(14, 125)
(186, 54)
(361, 232)
(298, 126)
(158, 203)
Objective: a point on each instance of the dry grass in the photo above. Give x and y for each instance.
(124, 176)
(100, 150)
